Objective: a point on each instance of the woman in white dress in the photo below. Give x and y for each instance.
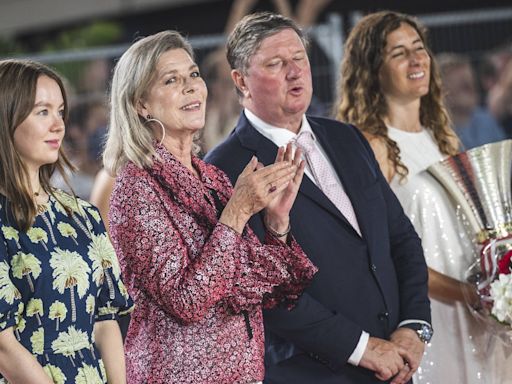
(390, 89)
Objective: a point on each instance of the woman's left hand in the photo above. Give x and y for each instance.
(277, 212)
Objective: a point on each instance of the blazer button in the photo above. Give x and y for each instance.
(373, 267)
(383, 316)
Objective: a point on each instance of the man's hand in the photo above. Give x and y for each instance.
(409, 342)
(383, 357)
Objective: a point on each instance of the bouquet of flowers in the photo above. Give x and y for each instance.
(501, 291)
(492, 278)
(480, 181)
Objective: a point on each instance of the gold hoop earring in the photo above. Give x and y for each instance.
(149, 119)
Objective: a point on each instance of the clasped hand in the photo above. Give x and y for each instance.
(273, 188)
(398, 358)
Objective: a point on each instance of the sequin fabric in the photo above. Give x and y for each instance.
(448, 250)
(199, 285)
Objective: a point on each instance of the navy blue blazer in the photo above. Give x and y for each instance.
(366, 283)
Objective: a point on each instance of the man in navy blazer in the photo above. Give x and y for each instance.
(366, 315)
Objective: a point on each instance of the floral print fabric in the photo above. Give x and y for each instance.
(56, 281)
(198, 284)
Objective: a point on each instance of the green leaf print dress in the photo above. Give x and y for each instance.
(56, 281)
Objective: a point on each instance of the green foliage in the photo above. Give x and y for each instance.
(97, 34)
(92, 35)
(9, 47)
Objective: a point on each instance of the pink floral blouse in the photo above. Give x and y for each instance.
(198, 285)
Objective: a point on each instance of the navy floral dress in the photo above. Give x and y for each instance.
(56, 281)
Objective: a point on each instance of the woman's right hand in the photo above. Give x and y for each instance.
(471, 295)
(255, 187)
(14, 355)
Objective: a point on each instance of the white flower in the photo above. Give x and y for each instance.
(501, 293)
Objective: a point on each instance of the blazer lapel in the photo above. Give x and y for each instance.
(265, 150)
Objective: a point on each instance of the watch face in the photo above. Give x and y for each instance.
(425, 333)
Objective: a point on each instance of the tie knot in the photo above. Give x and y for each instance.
(305, 141)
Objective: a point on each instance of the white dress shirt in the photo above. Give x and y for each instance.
(281, 137)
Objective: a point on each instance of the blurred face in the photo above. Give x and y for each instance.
(177, 96)
(38, 138)
(404, 75)
(277, 87)
(460, 87)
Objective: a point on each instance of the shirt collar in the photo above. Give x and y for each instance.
(279, 136)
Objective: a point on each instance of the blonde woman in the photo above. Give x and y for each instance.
(200, 275)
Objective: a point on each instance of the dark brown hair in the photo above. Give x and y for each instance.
(361, 101)
(18, 82)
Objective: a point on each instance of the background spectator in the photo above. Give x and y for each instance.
(472, 122)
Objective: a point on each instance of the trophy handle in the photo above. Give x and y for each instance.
(450, 185)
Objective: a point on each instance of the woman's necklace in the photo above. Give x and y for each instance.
(41, 207)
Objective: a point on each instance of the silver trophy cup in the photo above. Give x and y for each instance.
(479, 182)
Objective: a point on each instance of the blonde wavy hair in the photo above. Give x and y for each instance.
(361, 101)
(129, 139)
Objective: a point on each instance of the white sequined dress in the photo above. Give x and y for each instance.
(457, 352)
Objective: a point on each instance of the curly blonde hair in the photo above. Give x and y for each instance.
(361, 101)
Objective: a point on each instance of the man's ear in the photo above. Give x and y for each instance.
(239, 80)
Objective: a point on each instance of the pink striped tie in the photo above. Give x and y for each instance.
(325, 178)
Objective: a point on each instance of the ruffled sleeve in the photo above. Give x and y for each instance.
(155, 252)
(113, 299)
(11, 306)
(271, 273)
(274, 273)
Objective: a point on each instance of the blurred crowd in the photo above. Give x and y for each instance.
(378, 220)
(478, 95)
(477, 91)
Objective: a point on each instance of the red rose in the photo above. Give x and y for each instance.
(504, 264)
